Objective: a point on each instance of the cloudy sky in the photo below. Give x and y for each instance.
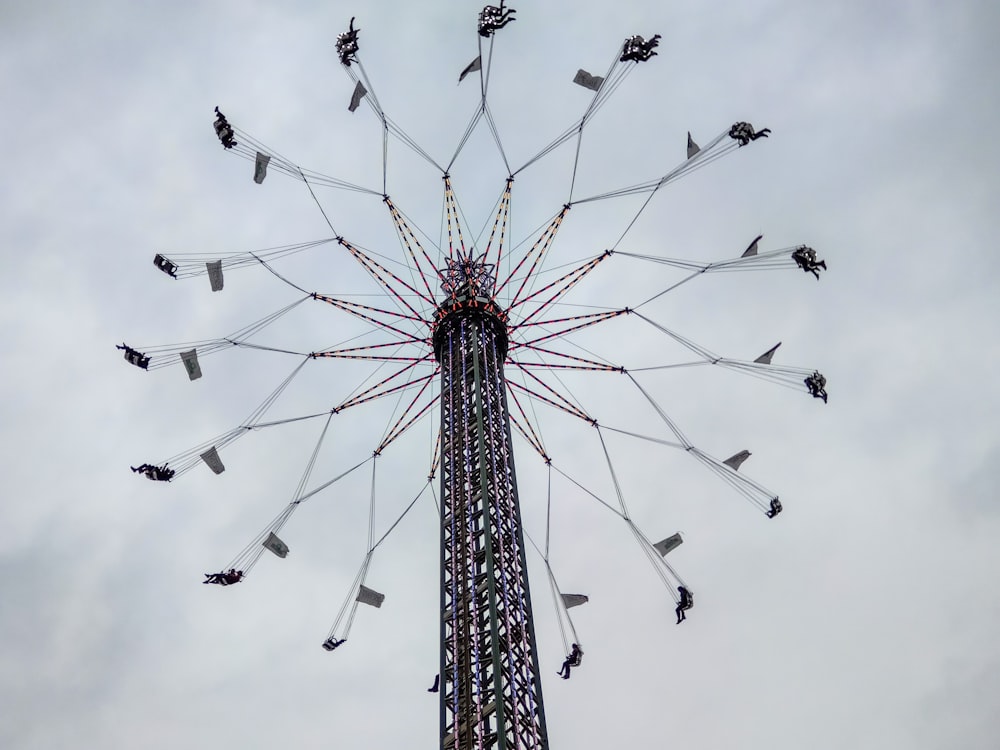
(865, 615)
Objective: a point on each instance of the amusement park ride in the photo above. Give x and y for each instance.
(453, 332)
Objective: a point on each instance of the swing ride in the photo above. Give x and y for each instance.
(477, 330)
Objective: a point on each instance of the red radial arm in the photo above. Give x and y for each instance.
(537, 250)
(348, 307)
(501, 219)
(406, 234)
(570, 409)
(398, 429)
(533, 438)
(568, 281)
(590, 320)
(364, 395)
(370, 265)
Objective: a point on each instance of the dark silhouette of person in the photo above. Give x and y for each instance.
(686, 602)
(573, 660)
(233, 576)
(816, 383)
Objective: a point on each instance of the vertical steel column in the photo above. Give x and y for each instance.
(490, 688)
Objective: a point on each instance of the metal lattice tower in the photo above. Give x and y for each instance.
(491, 694)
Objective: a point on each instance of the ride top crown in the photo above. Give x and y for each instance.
(468, 284)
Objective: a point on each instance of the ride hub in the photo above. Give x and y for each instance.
(469, 283)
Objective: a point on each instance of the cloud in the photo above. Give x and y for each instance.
(862, 615)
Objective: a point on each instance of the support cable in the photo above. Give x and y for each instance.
(166, 355)
(184, 462)
(247, 559)
(655, 559)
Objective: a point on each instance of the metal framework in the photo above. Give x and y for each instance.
(491, 693)
(489, 683)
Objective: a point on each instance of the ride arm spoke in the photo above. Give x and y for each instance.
(379, 272)
(355, 308)
(353, 353)
(536, 251)
(528, 438)
(589, 320)
(534, 439)
(501, 220)
(553, 366)
(399, 428)
(372, 393)
(568, 281)
(407, 236)
(452, 217)
(565, 405)
(407, 409)
(587, 364)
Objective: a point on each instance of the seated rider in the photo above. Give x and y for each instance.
(805, 258)
(224, 130)
(162, 473)
(573, 660)
(816, 383)
(233, 576)
(493, 18)
(133, 356)
(155, 473)
(743, 133)
(775, 508)
(687, 601)
(165, 265)
(224, 578)
(347, 44)
(331, 643)
(650, 45)
(638, 49)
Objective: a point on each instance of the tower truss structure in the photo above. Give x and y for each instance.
(491, 695)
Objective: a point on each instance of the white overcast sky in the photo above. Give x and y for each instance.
(865, 616)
